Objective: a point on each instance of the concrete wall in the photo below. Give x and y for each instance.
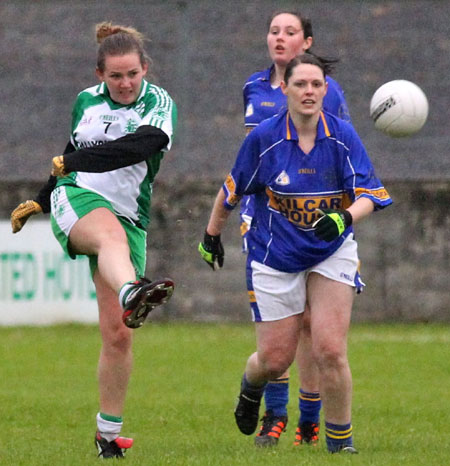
(404, 251)
(203, 51)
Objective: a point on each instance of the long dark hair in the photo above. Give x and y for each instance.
(325, 64)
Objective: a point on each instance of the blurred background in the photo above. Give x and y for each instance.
(203, 51)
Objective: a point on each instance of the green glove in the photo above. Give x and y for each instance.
(332, 223)
(212, 251)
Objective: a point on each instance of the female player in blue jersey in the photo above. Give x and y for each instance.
(99, 197)
(312, 179)
(289, 34)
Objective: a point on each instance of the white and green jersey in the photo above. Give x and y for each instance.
(97, 120)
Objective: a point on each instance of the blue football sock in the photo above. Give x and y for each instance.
(338, 436)
(254, 391)
(276, 396)
(309, 405)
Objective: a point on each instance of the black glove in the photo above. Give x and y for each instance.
(212, 251)
(332, 223)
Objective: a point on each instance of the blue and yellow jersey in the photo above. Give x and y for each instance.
(262, 101)
(288, 186)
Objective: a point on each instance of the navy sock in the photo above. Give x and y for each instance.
(309, 405)
(253, 391)
(338, 436)
(276, 396)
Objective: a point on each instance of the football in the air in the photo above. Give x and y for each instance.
(399, 108)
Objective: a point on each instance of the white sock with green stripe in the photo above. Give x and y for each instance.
(125, 291)
(108, 426)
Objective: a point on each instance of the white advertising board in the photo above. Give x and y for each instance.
(39, 283)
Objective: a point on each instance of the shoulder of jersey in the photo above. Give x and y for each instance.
(153, 91)
(153, 88)
(89, 96)
(337, 126)
(257, 76)
(266, 127)
(93, 90)
(333, 84)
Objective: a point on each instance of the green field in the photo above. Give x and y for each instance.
(183, 389)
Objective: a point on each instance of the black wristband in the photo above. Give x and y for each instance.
(211, 239)
(348, 219)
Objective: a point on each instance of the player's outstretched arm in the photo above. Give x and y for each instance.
(128, 150)
(41, 203)
(211, 249)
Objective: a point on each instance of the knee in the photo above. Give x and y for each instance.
(114, 235)
(330, 355)
(119, 340)
(274, 364)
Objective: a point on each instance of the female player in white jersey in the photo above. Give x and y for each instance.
(100, 198)
(289, 34)
(312, 179)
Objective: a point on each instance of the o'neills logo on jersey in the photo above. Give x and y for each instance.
(307, 171)
(301, 210)
(108, 118)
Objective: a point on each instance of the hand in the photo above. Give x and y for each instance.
(332, 223)
(22, 213)
(212, 251)
(58, 168)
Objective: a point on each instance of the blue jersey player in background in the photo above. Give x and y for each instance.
(289, 35)
(311, 179)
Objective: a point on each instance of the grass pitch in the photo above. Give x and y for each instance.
(183, 390)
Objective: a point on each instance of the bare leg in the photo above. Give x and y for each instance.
(100, 233)
(331, 304)
(116, 359)
(308, 370)
(276, 345)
